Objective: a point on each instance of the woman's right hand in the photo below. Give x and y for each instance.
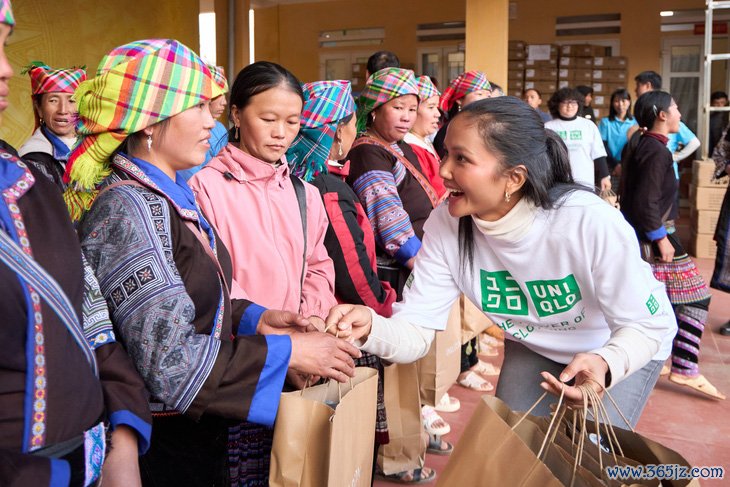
(349, 321)
(666, 250)
(322, 354)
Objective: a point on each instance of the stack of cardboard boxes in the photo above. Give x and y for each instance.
(548, 67)
(516, 68)
(706, 197)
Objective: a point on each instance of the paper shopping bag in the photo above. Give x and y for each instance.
(407, 447)
(324, 435)
(473, 320)
(440, 368)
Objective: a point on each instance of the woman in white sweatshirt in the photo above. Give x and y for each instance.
(553, 265)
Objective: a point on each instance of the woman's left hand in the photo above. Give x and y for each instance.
(587, 368)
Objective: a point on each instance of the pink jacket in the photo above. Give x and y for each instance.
(254, 208)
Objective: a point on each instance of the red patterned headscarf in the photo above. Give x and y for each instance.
(463, 85)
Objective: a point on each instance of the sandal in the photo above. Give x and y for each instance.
(489, 341)
(487, 351)
(430, 419)
(447, 404)
(437, 446)
(474, 381)
(485, 368)
(415, 476)
(699, 384)
(665, 371)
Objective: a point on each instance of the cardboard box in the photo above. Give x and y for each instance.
(576, 62)
(564, 83)
(515, 65)
(598, 51)
(702, 172)
(546, 63)
(516, 74)
(704, 198)
(600, 113)
(605, 88)
(703, 221)
(577, 50)
(541, 74)
(547, 88)
(516, 54)
(577, 76)
(542, 51)
(517, 45)
(516, 84)
(615, 62)
(600, 101)
(610, 75)
(702, 246)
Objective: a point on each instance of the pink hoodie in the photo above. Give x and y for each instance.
(253, 206)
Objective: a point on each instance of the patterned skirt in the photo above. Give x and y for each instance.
(381, 421)
(681, 277)
(249, 454)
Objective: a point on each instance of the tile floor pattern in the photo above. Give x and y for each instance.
(690, 423)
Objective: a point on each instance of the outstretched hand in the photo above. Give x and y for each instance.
(277, 322)
(349, 321)
(587, 369)
(321, 354)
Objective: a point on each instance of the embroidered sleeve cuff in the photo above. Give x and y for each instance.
(60, 473)
(265, 402)
(143, 429)
(657, 234)
(408, 250)
(250, 319)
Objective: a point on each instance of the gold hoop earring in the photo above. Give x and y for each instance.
(507, 196)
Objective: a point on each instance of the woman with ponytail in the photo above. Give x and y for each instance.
(521, 239)
(649, 202)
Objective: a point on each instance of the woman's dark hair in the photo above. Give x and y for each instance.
(651, 77)
(257, 78)
(564, 94)
(346, 120)
(649, 105)
(620, 94)
(515, 133)
(134, 143)
(381, 60)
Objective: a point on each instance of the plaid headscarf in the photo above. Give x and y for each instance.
(327, 102)
(463, 85)
(44, 79)
(137, 85)
(426, 88)
(6, 13)
(381, 87)
(219, 80)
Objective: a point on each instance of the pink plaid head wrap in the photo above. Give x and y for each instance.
(463, 85)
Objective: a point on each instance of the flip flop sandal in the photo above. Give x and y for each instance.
(447, 404)
(489, 341)
(473, 381)
(486, 368)
(416, 475)
(699, 384)
(435, 446)
(430, 417)
(487, 351)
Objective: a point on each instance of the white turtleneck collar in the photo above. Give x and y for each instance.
(512, 226)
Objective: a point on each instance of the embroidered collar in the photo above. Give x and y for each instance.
(177, 192)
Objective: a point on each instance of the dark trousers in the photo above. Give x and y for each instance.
(186, 453)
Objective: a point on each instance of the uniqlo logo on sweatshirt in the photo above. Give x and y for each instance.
(501, 294)
(554, 296)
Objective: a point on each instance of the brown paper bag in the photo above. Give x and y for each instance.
(473, 320)
(315, 444)
(440, 368)
(407, 447)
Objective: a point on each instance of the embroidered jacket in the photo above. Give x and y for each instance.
(61, 370)
(186, 338)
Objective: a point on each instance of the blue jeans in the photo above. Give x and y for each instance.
(519, 384)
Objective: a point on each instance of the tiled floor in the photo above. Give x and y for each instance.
(692, 424)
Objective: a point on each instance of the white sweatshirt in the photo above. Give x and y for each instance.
(572, 281)
(584, 143)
